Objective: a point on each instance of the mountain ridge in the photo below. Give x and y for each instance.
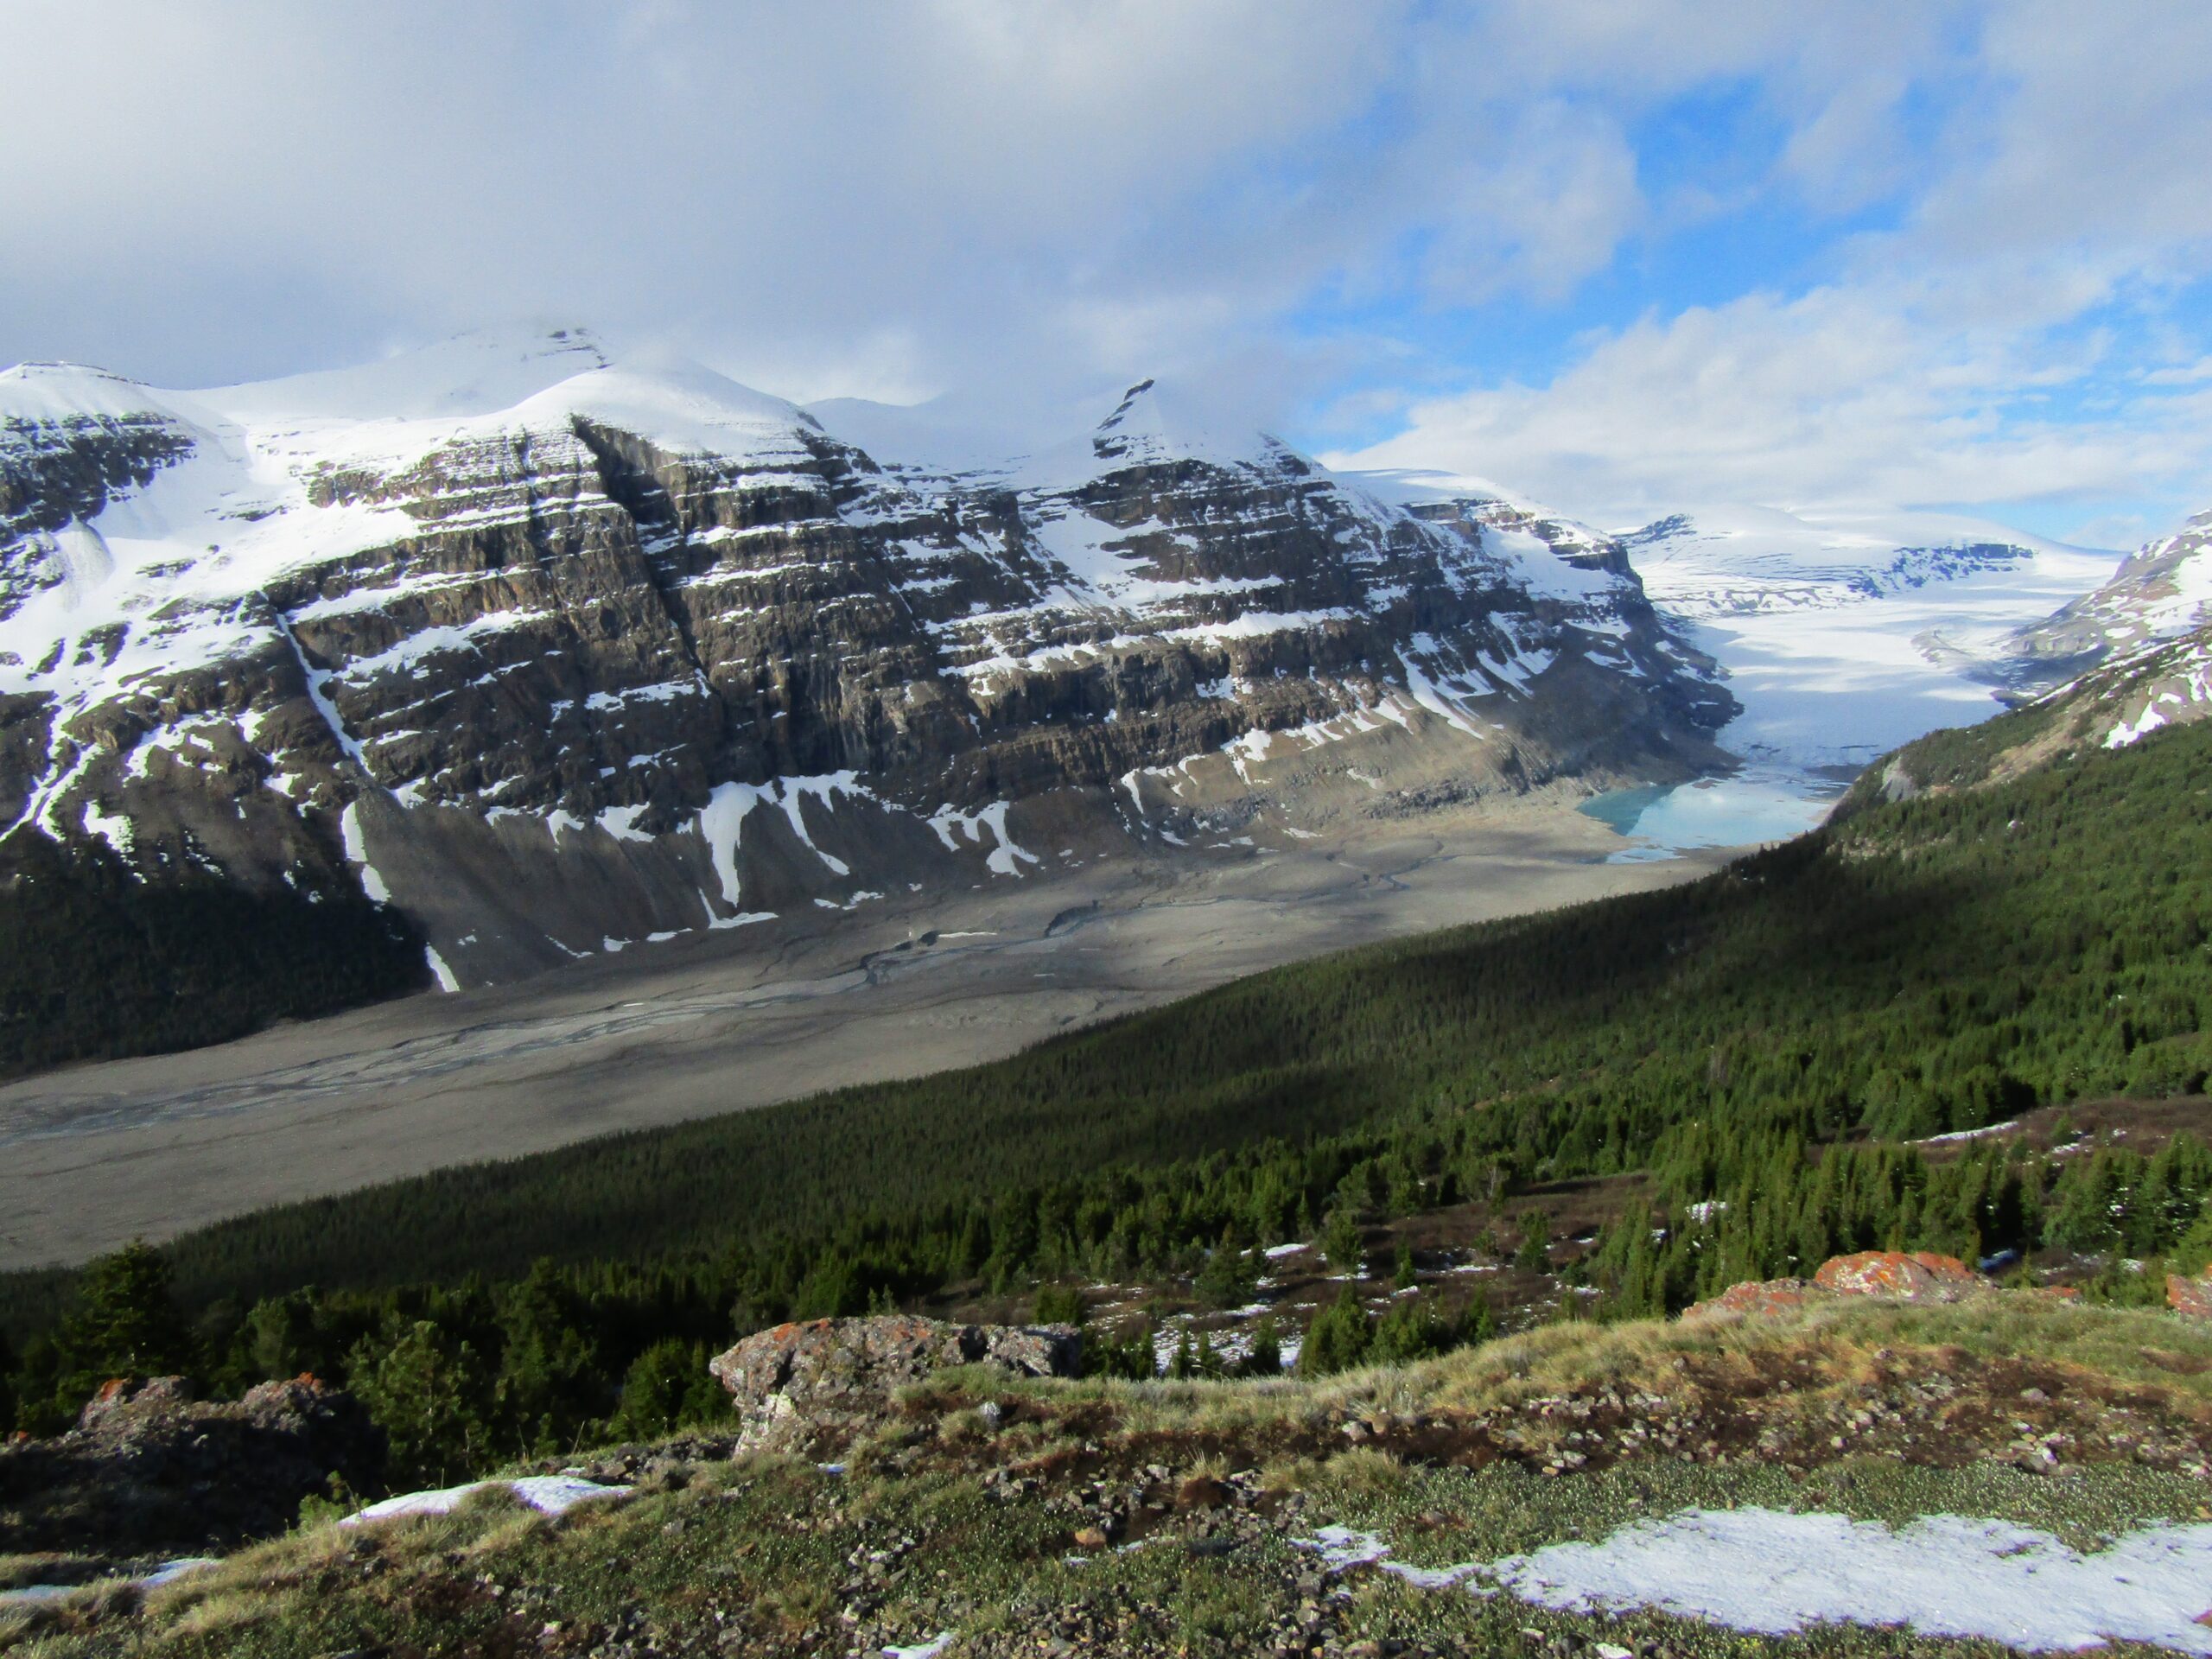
(525, 654)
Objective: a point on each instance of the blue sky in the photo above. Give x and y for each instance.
(1624, 257)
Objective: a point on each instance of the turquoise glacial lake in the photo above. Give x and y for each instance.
(1756, 805)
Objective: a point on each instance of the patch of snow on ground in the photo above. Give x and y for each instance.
(349, 834)
(167, 1573)
(2005, 1128)
(1001, 861)
(547, 1494)
(1774, 1572)
(2128, 732)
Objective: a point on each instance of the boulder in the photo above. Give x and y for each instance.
(796, 1384)
(1918, 1277)
(149, 1469)
(2190, 1296)
(1754, 1296)
(1892, 1275)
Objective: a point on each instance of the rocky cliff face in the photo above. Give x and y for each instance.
(2136, 654)
(558, 654)
(2159, 594)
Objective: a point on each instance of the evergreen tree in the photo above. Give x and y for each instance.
(1059, 1305)
(1338, 1339)
(1534, 1252)
(1230, 1277)
(125, 1322)
(1341, 1243)
(667, 1388)
(551, 1381)
(285, 1339)
(1265, 1359)
(1478, 1322)
(432, 1395)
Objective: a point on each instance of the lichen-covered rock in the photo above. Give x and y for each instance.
(2190, 1296)
(150, 1471)
(1892, 1275)
(1754, 1296)
(1920, 1276)
(797, 1383)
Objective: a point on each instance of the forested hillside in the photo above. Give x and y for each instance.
(1762, 1043)
(96, 962)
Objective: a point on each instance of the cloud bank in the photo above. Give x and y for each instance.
(1623, 254)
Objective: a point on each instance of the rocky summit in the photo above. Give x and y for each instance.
(557, 653)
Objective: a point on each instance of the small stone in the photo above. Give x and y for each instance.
(1201, 1492)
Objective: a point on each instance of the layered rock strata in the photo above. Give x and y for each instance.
(561, 656)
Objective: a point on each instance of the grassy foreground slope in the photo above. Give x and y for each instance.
(983, 1532)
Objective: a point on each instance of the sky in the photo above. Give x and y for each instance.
(1624, 257)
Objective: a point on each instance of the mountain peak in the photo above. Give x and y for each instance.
(1155, 425)
(42, 393)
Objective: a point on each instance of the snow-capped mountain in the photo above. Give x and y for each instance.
(1843, 637)
(2159, 592)
(560, 652)
(2136, 654)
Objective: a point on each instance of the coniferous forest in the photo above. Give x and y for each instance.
(96, 964)
(1763, 1046)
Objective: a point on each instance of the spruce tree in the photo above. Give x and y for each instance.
(125, 1322)
(1340, 1242)
(432, 1394)
(1534, 1254)
(1338, 1339)
(1265, 1359)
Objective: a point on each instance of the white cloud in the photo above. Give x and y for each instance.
(1847, 397)
(2012, 340)
(845, 197)
(772, 183)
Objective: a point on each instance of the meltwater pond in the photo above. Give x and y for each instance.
(1756, 805)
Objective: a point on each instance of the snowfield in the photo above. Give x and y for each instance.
(1775, 1572)
(1845, 636)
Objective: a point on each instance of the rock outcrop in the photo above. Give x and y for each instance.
(1756, 1296)
(1885, 1275)
(559, 656)
(2190, 1294)
(1920, 1276)
(797, 1385)
(1891, 1275)
(149, 1471)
